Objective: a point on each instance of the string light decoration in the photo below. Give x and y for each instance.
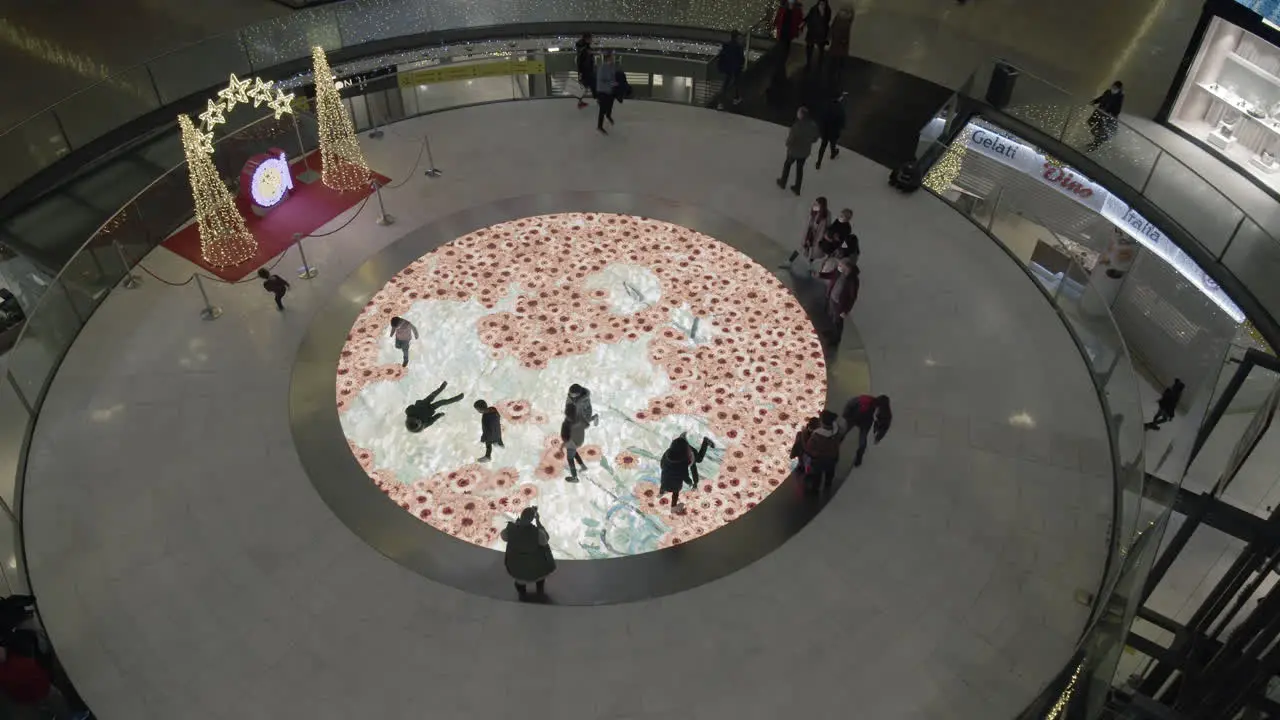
(225, 240)
(341, 160)
(947, 168)
(237, 91)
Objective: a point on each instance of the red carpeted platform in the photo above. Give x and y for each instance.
(309, 207)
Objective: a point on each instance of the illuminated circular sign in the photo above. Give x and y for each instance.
(271, 181)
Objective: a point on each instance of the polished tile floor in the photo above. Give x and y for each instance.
(186, 568)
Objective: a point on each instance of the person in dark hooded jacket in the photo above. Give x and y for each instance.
(817, 28)
(730, 62)
(528, 557)
(490, 428)
(680, 467)
(586, 62)
(830, 127)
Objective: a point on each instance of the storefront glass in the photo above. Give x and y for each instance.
(1230, 99)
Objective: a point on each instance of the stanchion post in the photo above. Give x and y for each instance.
(307, 175)
(210, 311)
(306, 272)
(130, 280)
(376, 132)
(432, 170)
(383, 218)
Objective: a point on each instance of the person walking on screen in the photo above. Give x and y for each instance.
(275, 285)
(830, 126)
(572, 436)
(800, 140)
(490, 428)
(423, 413)
(1103, 121)
(1167, 405)
(822, 447)
(730, 63)
(404, 332)
(586, 61)
(606, 83)
(680, 467)
(869, 415)
(528, 557)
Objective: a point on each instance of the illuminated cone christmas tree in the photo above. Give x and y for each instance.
(224, 238)
(342, 162)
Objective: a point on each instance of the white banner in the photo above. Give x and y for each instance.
(1075, 185)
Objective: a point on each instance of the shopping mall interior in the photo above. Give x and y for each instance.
(754, 359)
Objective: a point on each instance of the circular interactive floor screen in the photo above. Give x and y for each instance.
(669, 330)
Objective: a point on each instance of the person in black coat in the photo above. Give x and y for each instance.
(422, 414)
(730, 62)
(275, 285)
(1103, 121)
(490, 428)
(528, 557)
(1167, 405)
(817, 26)
(586, 63)
(830, 126)
(680, 467)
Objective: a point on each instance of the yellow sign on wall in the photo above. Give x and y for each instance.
(470, 71)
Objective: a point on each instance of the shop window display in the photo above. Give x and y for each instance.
(1230, 99)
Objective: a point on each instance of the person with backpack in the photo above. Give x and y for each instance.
(275, 285)
(869, 415)
(606, 85)
(586, 63)
(730, 62)
(679, 467)
(830, 127)
(823, 450)
(528, 557)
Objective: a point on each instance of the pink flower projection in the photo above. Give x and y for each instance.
(753, 374)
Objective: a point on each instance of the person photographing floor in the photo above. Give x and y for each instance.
(679, 467)
(275, 285)
(528, 557)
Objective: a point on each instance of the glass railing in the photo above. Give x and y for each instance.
(94, 111)
(1241, 243)
(1067, 280)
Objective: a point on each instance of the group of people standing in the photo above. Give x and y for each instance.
(817, 445)
(831, 249)
(821, 28)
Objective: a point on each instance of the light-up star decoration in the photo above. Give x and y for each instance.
(236, 91)
(257, 91)
(212, 117)
(261, 92)
(282, 104)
